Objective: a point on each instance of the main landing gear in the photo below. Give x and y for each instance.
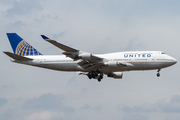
(158, 74)
(95, 75)
(100, 77)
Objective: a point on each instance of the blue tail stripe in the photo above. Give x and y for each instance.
(20, 46)
(14, 40)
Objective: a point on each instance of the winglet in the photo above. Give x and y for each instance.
(44, 37)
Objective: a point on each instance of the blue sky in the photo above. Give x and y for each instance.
(96, 26)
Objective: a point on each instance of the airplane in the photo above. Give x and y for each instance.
(93, 65)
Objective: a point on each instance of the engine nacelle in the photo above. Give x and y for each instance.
(85, 56)
(112, 64)
(116, 75)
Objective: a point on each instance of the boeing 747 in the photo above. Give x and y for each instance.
(93, 65)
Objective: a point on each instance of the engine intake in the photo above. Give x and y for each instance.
(116, 75)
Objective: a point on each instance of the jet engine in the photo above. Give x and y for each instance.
(112, 64)
(85, 56)
(116, 75)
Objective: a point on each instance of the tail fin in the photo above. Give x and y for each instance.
(20, 46)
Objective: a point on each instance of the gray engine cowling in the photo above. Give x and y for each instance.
(116, 75)
(85, 55)
(112, 64)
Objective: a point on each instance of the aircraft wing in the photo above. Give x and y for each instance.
(59, 45)
(88, 61)
(71, 52)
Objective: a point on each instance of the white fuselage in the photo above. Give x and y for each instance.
(135, 60)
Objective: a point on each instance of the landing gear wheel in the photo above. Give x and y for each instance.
(100, 77)
(158, 74)
(95, 75)
(89, 75)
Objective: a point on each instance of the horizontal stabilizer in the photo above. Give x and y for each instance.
(17, 57)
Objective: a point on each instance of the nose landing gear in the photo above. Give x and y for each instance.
(158, 74)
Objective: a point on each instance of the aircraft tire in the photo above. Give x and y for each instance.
(99, 79)
(158, 75)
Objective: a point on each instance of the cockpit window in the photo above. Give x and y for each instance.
(163, 53)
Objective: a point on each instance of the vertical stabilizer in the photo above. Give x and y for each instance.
(20, 46)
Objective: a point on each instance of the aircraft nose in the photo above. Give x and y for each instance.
(174, 60)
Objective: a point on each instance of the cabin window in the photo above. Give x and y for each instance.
(163, 53)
